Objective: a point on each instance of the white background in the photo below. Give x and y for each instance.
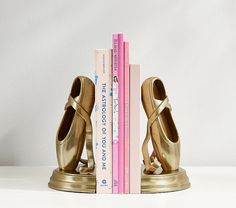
(190, 45)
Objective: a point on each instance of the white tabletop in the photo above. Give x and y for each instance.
(27, 187)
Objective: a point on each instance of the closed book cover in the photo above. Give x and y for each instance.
(115, 111)
(103, 111)
(121, 112)
(135, 99)
(127, 118)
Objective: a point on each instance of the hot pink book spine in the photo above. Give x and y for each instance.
(121, 112)
(115, 111)
(127, 120)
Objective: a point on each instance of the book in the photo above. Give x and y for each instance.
(115, 111)
(127, 119)
(103, 115)
(121, 113)
(135, 99)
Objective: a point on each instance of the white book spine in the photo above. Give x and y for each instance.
(103, 111)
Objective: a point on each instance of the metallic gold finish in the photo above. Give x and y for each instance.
(160, 128)
(161, 172)
(76, 129)
(72, 182)
(165, 182)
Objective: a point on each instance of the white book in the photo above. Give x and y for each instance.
(103, 115)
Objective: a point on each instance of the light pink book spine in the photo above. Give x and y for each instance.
(135, 99)
(127, 118)
(115, 111)
(121, 111)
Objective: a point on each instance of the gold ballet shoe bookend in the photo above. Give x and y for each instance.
(74, 173)
(161, 171)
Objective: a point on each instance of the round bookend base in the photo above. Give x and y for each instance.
(73, 182)
(165, 181)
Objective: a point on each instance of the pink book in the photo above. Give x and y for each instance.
(121, 112)
(135, 100)
(115, 145)
(126, 126)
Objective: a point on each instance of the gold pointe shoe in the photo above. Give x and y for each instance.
(76, 129)
(165, 140)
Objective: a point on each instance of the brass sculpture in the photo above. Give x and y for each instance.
(74, 173)
(161, 169)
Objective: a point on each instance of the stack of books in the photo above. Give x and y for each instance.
(117, 95)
